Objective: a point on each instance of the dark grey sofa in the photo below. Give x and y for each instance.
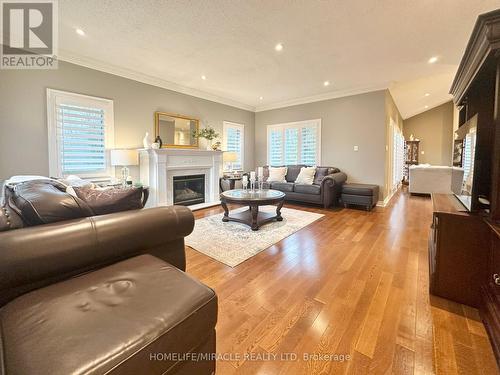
(325, 190)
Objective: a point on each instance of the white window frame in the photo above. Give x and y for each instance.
(55, 96)
(296, 125)
(233, 125)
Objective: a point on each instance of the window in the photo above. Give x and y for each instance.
(81, 132)
(397, 157)
(234, 140)
(468, 161)
(294, 143)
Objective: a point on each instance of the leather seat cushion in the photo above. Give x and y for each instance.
(307, 189)
(108, 321)
(360, 189)
(282, 186)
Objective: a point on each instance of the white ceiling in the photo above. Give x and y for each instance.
(357, 45)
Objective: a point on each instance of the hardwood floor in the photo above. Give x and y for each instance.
(351, 284)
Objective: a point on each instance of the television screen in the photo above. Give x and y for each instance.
(467, 134)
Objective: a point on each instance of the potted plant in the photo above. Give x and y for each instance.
(207, 133)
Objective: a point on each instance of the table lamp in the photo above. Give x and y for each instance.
(123, 158)
(230, 157)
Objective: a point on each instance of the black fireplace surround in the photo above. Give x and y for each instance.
(189, 190)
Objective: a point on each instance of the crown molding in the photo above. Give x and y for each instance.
(321, 97)
(484, 40)
(67, 56)
(101, 66)
(441, 102)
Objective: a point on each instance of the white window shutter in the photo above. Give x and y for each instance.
(81, 139)
(294, 143)
(308, 145)
(275, 147)
(234, 141)
(80, 133)
(291, 146)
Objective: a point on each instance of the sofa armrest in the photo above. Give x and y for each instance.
(331, 188)
(37, 256)
(334, 179)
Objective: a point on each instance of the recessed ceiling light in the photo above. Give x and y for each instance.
(80, 32)
(326, 83)
(278, 47)
(426, 107)
(432, 60)
(427, 94)
(261, 97)
(203, 77)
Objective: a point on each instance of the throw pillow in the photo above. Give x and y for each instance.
(306, 176)
(277, 174)
(108, 200)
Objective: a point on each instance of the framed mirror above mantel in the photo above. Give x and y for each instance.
(176, 131)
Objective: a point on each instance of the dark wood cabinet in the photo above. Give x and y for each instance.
(458, 251)
(476, 92)
(490, 293)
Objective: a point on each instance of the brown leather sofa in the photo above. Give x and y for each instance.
(103, 295)
(325, 190)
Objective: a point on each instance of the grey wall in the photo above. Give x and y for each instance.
(434, 128)
(23, 117)
(346, 122)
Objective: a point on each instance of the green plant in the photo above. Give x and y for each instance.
(208, 133)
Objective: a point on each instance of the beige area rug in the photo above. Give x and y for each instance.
(232, 243)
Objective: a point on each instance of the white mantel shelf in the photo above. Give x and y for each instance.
(159, 166)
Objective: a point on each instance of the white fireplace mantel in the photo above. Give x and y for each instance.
(158, 168)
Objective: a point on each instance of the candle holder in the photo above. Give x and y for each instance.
(245, 184)
(252, 185)
(261, 182)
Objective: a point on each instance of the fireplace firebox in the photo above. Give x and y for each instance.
(189, 190)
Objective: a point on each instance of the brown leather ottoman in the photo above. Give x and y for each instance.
(138, 316)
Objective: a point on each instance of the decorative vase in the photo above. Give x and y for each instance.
(209, 144)
(146, 142)
(159, 141)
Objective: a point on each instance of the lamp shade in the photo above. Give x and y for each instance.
(124, 157)
(230, 156)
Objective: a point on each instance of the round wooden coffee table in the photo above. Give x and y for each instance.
(252, 199)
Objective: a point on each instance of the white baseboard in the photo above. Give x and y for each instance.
(387, 199)
(196, 207)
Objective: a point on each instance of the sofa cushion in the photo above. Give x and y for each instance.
(360, 189)
(321, 172)
(306, 176)
(307, 189)
(293, 172)
(266, 172)
(46, 201)
(277, 174)
(108, 321)
(111, 199)
(282, 186)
